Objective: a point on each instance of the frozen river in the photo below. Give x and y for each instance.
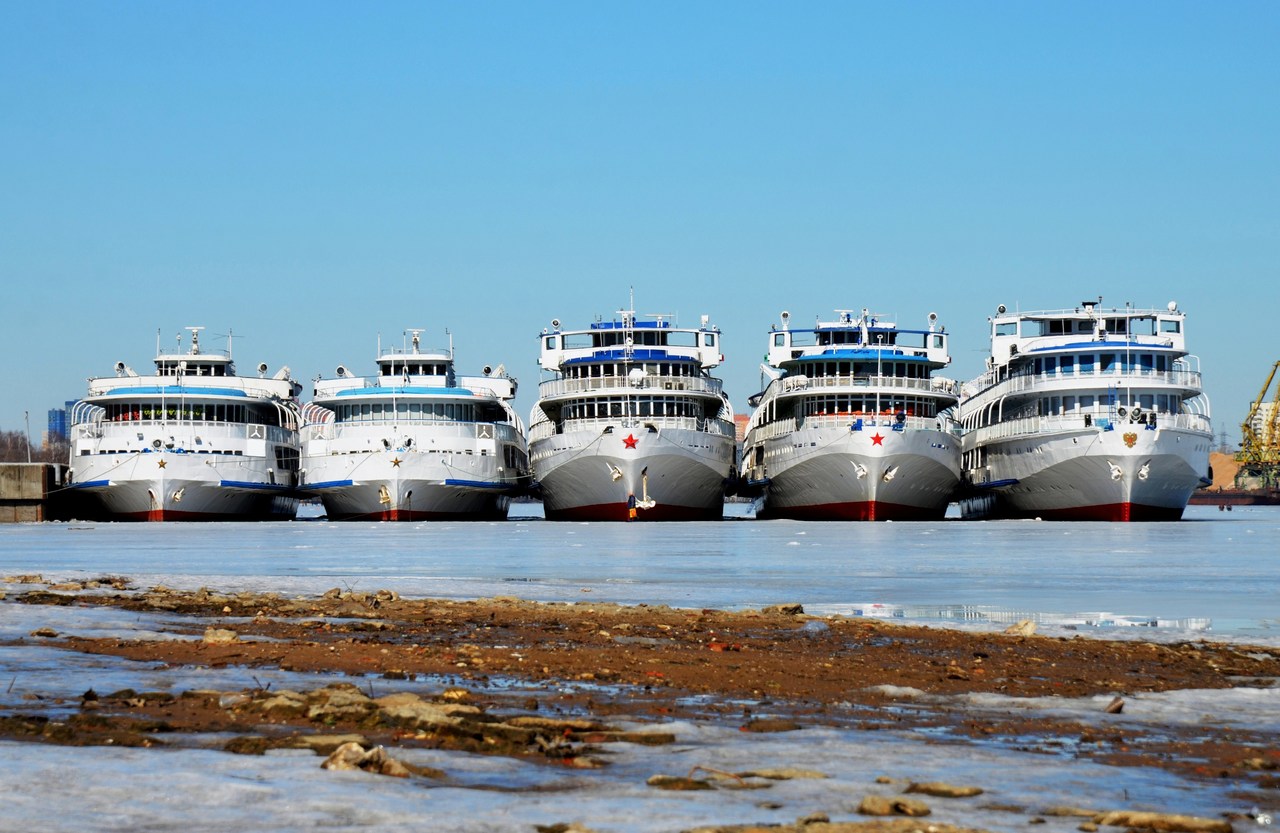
(1213, 575)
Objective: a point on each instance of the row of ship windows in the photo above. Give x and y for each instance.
(620, 370)
(240, 414)
(378, 412)
(643, 406)
(86, 452)
(638, 337)
(1057, 405)
(1103, 362)
(908, 370)
(1135, 325)
(415, 369)
(859, 405)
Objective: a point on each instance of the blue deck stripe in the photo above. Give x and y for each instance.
(329, 484)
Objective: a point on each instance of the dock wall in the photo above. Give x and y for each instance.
(30, 492)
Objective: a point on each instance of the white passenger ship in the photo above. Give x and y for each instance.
(192, 442)
(853, 425)
(414, 442)
(1086, 414)
(632, 426)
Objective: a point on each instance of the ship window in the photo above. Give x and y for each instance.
(779, 339)
(710, 339)
(1039, 366)
(551, 342)
(1068, 364)
(1086, 363)
(1007, 328)
(1106, 361)
(402, 408)
(1170, 326)
(1051, 365)
(1147, 401)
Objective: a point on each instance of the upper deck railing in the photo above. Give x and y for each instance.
(936, 385)
(1187, 380)
(546, 428)
(649, 385)
(1033, 425)
(436, 429)
(783, 427)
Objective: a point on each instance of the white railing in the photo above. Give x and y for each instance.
(390, 429)
(848, 422)
(206, 388)
(184, 432)
(936, 385)
(649, 385)
(1177, 379)
(1030, 426)
(546, 428)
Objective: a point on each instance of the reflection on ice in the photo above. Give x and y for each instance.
(991, 615)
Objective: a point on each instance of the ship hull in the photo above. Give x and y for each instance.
(182, 487)
(834, 474)
(589, 476)
(1093, 475)
(402, 485)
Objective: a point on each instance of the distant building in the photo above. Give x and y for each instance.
(740, 426)
(59, 430)
(1263, 417)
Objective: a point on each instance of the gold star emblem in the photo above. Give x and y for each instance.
(161, 464)
(395, 461)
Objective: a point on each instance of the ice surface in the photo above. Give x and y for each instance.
(1123, 577)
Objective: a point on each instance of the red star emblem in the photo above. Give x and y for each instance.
(630, 441)
(876, 439)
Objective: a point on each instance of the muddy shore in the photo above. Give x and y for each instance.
(583, 667)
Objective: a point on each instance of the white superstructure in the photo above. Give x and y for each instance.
(192, 441)
(1086, 414)
(415, 441)
(853, 425)
(631, 426)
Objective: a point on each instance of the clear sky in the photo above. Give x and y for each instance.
(309, 175)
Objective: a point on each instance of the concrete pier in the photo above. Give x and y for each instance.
(32, 492)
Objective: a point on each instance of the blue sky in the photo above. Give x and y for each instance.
(309, 175)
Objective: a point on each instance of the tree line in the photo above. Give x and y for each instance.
(14, 446)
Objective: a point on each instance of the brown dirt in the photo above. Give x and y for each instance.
(769, 670)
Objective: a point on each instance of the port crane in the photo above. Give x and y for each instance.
(1259, 454)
